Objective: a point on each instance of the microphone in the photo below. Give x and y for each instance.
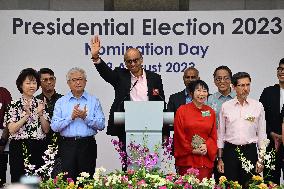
(162, 98)
(131, 88)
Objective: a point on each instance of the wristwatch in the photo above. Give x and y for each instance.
(219, 158)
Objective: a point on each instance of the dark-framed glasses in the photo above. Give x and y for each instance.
(48, 79)
(243, 85)
(219, 79)
(77, 79)
(132, 60)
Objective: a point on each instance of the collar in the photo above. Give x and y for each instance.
(236, 101)
(232, 94)
(142, 76)
(70, 95)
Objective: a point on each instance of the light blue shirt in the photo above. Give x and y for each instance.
(216, 100)
(63, 123)
(188, 98)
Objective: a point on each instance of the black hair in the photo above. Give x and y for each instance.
(239, 75)
(195, 84)
(30, 73)
(281, 61)
(46, 71)
(223, 68)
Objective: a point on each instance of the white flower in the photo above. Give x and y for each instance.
(85, 175)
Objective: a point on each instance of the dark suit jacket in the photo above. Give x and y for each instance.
(120, 79)
(270, 99)
(175, 101)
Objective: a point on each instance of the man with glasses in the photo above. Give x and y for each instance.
(180, 98)
(47, 83)
(132, 83)
(222, 79)
(241, 126)
(272, 99)
(78, 116)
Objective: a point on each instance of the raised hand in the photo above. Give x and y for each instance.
(95, 46)
(27, 108)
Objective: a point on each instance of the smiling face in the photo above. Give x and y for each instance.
(222, 81)
(200, 95)
(77, 82)
(133, 61)
(29, 86)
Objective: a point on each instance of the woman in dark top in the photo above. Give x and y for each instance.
(28, 123)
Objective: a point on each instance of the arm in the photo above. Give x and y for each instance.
(96, 119)
(220, 141)
(105, 72)
(58, 122)
(265, 103)
(43, 117)
(181, 145)
(15, 126)
(211, 142)
(261, 127)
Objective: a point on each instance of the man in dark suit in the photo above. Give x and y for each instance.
(132, 83)
(272, 99)
(183, 97)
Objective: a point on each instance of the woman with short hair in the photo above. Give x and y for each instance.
(28, 123)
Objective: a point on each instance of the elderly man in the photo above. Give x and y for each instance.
(132, 83)
(78, 117)
(242, 126)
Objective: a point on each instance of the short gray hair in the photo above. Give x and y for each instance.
(75, 69)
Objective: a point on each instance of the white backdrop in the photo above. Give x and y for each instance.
(251, 41)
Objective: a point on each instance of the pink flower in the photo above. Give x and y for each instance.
(169, 177)
(192, 171)
(130, 171)
(55, 180)
(141, 182)
(162, 187)
(69, 180)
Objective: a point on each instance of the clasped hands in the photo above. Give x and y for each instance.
(40, 108)
(78, 113)
(202, 150)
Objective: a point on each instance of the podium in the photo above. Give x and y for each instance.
(144, 120)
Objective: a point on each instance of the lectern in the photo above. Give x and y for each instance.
(144, 118)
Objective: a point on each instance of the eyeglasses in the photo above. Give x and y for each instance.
(280, 69)
(243, 85)
(74, 80)
(219, 79)
(50, 79)
(133, 60)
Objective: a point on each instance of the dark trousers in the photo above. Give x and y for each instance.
(78, 155)
(122, 139)
(35, 148)
(3, 167)
(233, 166)
(274, 175)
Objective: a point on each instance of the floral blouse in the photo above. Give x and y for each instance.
(32, 128)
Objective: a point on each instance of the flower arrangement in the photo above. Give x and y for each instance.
(49, 158)
(144, 174)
